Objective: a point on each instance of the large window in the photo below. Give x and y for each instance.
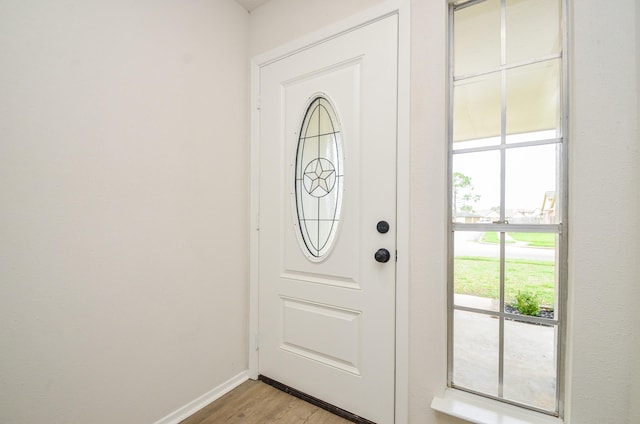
(507, 145)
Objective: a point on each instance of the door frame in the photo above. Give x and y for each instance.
(401, 8)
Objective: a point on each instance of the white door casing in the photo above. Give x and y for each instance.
(327, 327)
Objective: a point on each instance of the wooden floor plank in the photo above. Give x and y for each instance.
(254, 402)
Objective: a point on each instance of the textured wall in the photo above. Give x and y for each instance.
(635, 393)
(123, 231)
(604, 210)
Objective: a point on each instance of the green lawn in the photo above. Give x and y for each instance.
(535, 239)
(492, 237)
(481, 276)
(531, 239)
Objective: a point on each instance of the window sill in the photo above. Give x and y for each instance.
(478, 410)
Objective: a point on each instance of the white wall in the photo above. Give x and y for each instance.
(123, 198)
(429, 86)
(605, 203)
(604, 211)
(635, 392)
(280, 21)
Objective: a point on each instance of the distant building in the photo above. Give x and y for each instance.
(467, 217)
(548, 209)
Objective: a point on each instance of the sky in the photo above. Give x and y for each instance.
(530, 172)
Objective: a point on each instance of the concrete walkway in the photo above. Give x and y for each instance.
(468, 244)
(529, 349)
(529, 355)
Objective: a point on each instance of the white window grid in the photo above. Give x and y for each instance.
(502, 226)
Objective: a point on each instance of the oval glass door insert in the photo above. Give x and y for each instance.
(319, 177)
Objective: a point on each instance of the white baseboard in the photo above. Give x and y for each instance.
(197, 404)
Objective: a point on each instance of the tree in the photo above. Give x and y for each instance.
(463, 197)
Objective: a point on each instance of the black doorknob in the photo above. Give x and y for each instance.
(382, 227)
(382, 255)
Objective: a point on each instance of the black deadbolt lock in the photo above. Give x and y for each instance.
(382, 227)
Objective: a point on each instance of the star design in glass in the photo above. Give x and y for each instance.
(319, 177)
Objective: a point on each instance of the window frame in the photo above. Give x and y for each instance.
(502, 226)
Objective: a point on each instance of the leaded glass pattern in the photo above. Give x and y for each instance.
(319, 177)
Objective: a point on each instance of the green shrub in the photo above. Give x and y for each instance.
(527, 304)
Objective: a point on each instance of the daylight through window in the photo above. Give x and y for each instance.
(507, 246)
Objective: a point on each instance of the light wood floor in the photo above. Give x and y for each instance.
(255, 402)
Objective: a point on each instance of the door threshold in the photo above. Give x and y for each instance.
(315, 401)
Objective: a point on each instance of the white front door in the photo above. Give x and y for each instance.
(327, 143)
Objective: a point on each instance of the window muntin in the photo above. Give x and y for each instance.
(319, 178)
(507, 186)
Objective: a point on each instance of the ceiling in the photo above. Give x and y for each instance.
(251, 4)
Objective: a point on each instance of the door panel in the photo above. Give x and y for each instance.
(327, 324)
(338, 82)
(304, 321)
